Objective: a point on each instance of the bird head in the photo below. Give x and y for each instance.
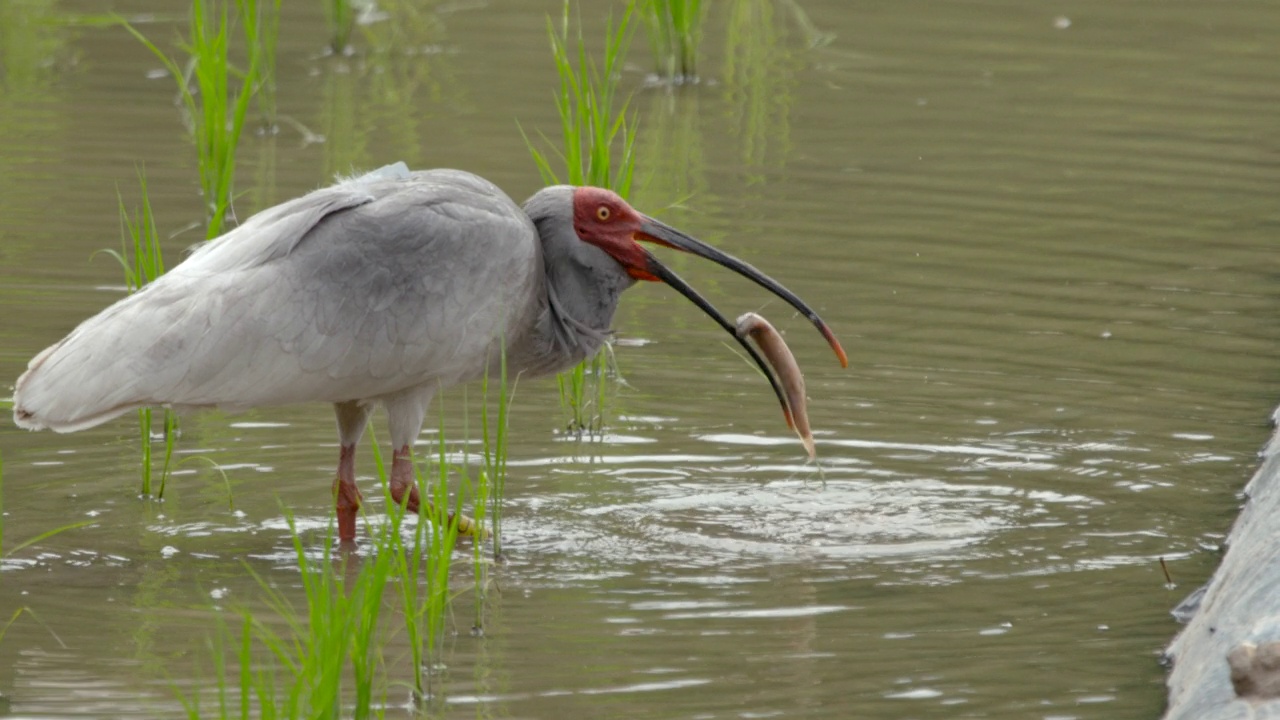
(603, 219)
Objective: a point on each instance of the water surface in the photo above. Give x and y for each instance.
(1043, 232)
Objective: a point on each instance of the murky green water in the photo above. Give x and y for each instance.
(1044, 232)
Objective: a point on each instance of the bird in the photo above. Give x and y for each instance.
(376, 291)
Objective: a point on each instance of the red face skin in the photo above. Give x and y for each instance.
(605, 220)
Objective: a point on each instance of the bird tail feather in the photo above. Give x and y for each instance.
(88, 378)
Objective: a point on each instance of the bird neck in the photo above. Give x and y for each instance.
(581, 291)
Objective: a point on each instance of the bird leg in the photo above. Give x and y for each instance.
(402, 479)
(352, 417)
(402, 483)
(346, 495)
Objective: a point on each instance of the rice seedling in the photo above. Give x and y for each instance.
(26, 610)
(495, 461)
(299, 672)
(598, 149)
(592, 129)
(261, 22)
(421, 564)
(674, 29)
(216, 111)
(216, 121)
(142, 261)
(480, 489)
(340, 16)
(443, 538)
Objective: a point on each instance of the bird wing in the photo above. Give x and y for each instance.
(355, 291)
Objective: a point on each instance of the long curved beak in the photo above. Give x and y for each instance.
(662, 273)
(663, 234)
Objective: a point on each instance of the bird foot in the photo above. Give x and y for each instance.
(347, 501)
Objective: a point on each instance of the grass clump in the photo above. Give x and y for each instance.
(493, 491)
(598, 148)
(675, 30)
(216, 99)
(215, 96)
(340, 16)
(330, 659)
(336, 629)
(142, 261)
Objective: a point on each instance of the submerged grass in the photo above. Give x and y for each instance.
(142, 261)
(598, 149)
(25, 543)
(675, 30)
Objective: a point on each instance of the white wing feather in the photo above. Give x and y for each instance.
(356, 291)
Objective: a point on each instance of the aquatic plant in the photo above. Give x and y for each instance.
(302, 670)
(598, 148)
(216, 98)
(260, 20)
(675, 30)
(338, 626)
(495, 460)
(26, 543)
(340, 16)
(30, 541)
(142, 261)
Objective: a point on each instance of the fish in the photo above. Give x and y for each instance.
(779, 357)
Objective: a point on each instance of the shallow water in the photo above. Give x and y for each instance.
(1042, 232)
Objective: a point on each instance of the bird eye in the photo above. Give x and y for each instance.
(602, 213)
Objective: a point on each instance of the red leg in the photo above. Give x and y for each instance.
(346, 494)
(402, 479)
(402, 482)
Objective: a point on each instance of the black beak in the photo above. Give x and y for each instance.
(663, 234)
(661, 272)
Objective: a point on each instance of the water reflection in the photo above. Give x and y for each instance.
(670, 157)
(34, 51)
(33, 45)
(1066, 346)
(344, 124)
(381, 94)
(759, 71)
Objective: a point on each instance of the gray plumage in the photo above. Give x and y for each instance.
(387, 284)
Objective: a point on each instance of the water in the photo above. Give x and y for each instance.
(1043, 233)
